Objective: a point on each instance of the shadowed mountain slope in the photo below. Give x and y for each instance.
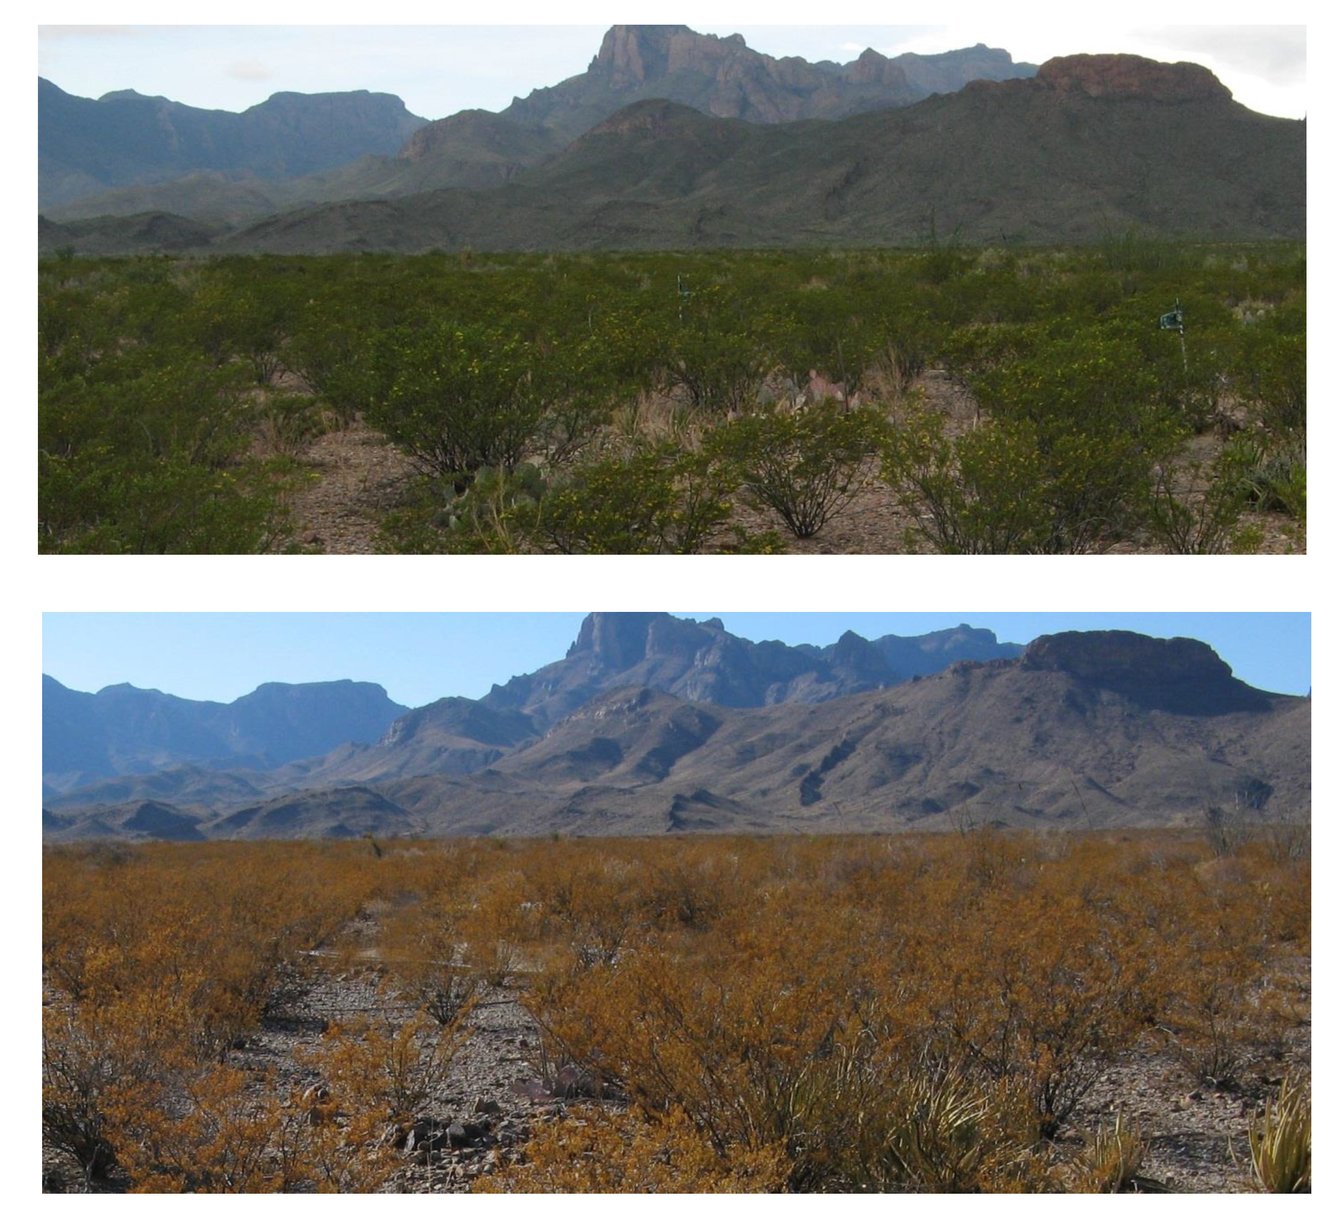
(1074, 152)
(1049, 739)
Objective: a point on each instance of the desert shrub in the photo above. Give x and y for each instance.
(1049, 1013)
(716, 353)
(978, 494)
(593, 1152)
(1273, 377)
(81, 1063)
(805, 465)
(1024, 484)
(457, 398)
(423, 946)
(494, 930)
(1210, 1014)
(207, 1134)
(1062, 341)
(145, 459)
(585, 383)
(1197, 510)
(1280, 1140)
(288, 422)
(836, 334)
(330, 350)
(390, 1073)
(914, 338)
(659, 500)
(909, 1012)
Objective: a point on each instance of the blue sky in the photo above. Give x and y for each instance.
(422, 657)
(439, 70)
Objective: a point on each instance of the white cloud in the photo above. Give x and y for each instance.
(1275, 53)
(249, 69)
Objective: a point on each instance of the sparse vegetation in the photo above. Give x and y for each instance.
(829, 1014)
(178, 398)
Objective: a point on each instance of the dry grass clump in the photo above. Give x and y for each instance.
(1113, 1157)
(1280, 1139)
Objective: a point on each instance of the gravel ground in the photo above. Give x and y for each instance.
(361, 476)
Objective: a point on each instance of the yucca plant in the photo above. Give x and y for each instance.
(1112, 1158)
(1281, 1141)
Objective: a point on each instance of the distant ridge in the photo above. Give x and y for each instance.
(129, 155)
(1092, 144)
(125, 138)
(655, 724)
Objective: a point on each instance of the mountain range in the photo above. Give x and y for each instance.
(123, 730)
(675, 139)
(654, 724)
(126, 139)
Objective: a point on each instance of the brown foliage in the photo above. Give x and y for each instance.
(906, 1012)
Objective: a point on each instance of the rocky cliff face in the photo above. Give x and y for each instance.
(726, 78)
(1180, 675)
(1131, 76)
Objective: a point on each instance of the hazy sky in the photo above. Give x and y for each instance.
(422, 657)
(439, 70)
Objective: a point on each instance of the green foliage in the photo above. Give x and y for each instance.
(164, 382)
(804, 465)
(1197, 511)
(459, 397)
(1274, 374)
(657, 501)
(1012, 487)
(717, 352)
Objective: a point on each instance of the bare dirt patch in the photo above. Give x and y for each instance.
(359, 477)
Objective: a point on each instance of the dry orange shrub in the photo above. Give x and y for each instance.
(592, 1151)
(899, 1012)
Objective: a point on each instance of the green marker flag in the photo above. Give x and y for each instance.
(1173, 320)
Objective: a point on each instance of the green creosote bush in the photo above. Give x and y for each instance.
(143, 458)
(805, 465)
(973, 495)
(716, 353)
(660, 500)
(1063, 341)
(1198, 510)
(457, 398)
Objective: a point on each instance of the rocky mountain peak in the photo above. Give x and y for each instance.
(633, 54)
(617, 641)
(1131, 76)
(873, 68)
(1181, 675)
